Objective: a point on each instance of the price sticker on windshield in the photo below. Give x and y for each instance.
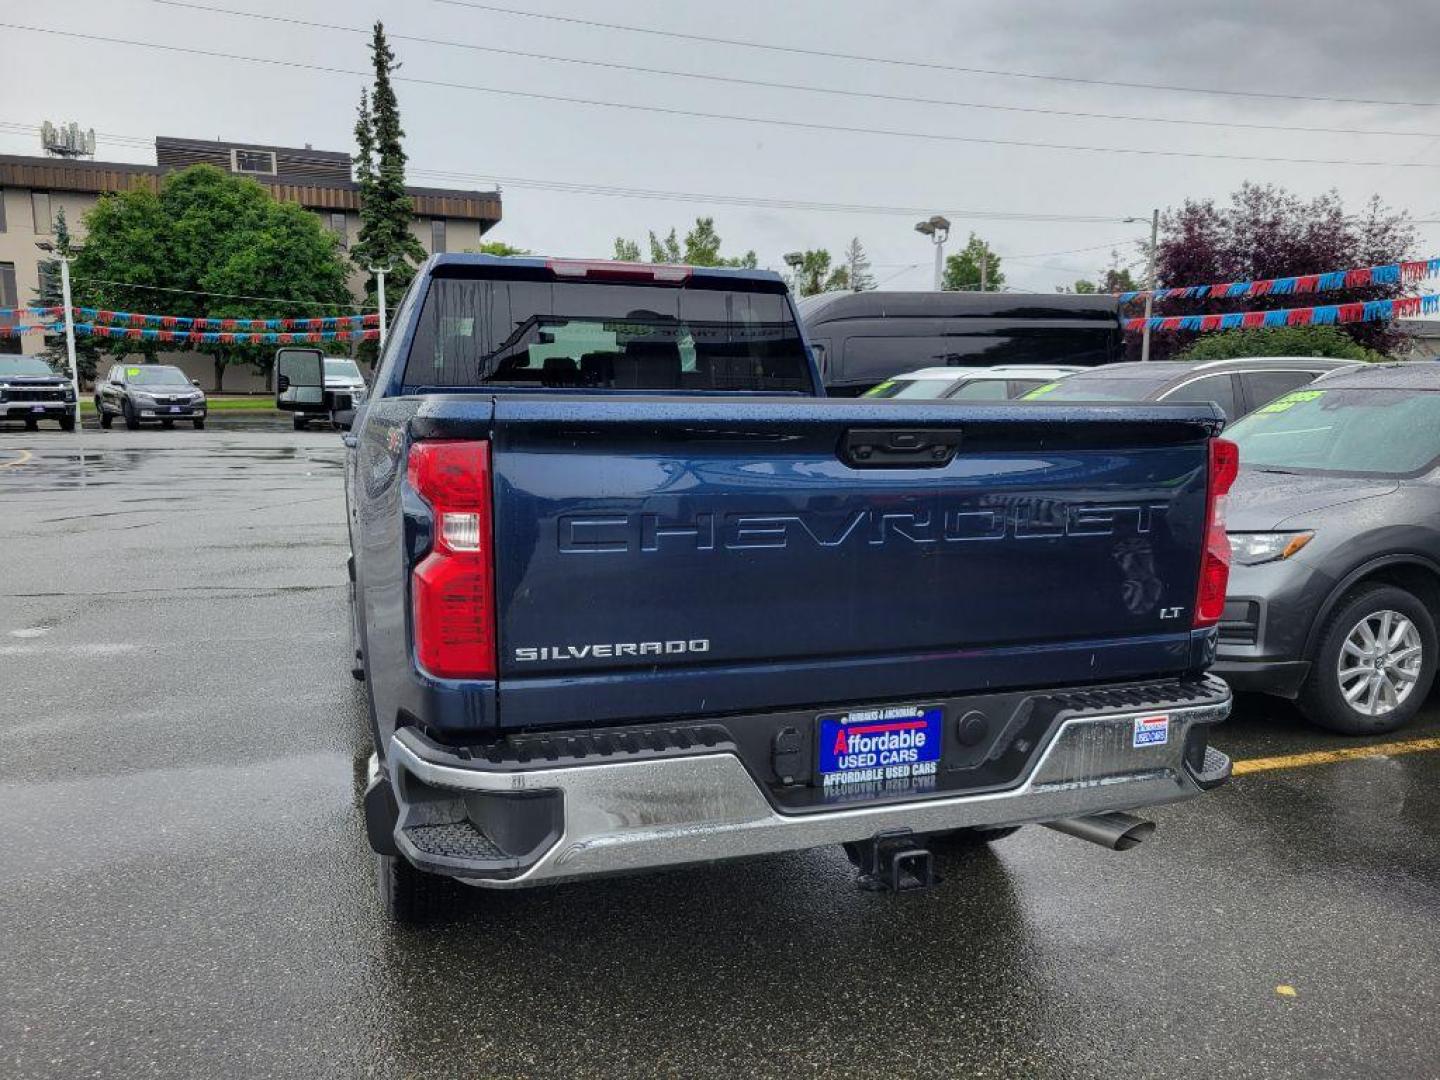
(1295, 397)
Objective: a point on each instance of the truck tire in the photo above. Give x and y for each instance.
(106, 419)
(132, 422)
(1374, 664)
(409, 896)
(300, 420)
(67, 423)
(199, 423)
(32, 425)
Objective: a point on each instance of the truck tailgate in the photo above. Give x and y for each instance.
(668, 557)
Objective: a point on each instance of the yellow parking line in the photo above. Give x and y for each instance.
(1327, 757)
(25, 455)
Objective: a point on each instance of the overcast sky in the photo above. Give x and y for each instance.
(1382, 51)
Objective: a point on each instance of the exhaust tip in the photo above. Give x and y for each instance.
(1116, 831)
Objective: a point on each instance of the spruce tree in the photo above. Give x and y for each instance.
(385, 238)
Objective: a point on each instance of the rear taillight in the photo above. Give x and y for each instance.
(453, 587)
(1215, 563)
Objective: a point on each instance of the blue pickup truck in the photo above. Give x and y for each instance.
(629, 591)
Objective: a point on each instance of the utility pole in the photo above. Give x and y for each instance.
(984, 266)
(1150, 284)
(379, 273)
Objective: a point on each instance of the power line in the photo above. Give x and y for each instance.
(225, 296)
(577, 188)
(928, 65)
(806, 88)
(932, 136)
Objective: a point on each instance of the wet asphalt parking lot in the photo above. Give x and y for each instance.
(185, 887)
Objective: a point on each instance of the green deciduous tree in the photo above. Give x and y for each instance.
(700, 247)
(962, 271)
(1279, 341)
(813, 273)
(200, 246)
(386, 211)
(499, 247)
(51, 293)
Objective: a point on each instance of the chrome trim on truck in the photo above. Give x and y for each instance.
(636, 815)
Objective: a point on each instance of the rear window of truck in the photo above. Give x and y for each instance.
(593, 335)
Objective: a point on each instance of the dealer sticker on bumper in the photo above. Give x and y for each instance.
(1151, 731)
(898, 742)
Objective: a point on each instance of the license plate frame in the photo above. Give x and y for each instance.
(886, 744)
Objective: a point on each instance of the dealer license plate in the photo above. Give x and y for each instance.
(174, 408)
(881, 745)
(37, 408)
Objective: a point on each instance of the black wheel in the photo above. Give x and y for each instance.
(167, 424)
(1374, 664)
(411, 897)
(106, 419)
(300, 422)
(199, 423)
(67, 423)
(32, 425)
(968, 839)
(132, 422)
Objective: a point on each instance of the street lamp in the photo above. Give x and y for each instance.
(1149, 279)
(380, 272)
(48, 247)
(937, 229)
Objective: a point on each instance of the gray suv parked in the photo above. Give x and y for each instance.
(1238, 386)
(148, 393)
(1334, 525)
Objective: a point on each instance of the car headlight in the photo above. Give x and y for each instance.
(1251, 549)
(144, 399)
(197, 397)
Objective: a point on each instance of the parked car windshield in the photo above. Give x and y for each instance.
(341, 369)
(23, 367)
(1343, 431)
(591, 335)
(982, 390)
(911, 388)
(155, 375)
(1096, 388)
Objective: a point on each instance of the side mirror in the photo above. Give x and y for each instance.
(300, 380)
(194, 382)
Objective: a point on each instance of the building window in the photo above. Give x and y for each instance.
(257, 162)
(437, 235)
(339, 228)
(2, 209)
(9, 343)
(40, 205)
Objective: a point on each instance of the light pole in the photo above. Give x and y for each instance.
(795, 260)
(1149, 280)
(938, 230)
(380, 272)
(64, 260)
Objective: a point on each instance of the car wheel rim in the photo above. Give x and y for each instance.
(1380, 663)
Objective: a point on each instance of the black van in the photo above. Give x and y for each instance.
(864, 338)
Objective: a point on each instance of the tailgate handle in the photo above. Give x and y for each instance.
(899, 448)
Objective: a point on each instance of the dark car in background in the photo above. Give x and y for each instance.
(863, 338)
(1334, 526)
(31, 392)
(1238, 385)
(148, 393)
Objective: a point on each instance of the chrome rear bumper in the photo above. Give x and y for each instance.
(616, 817)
